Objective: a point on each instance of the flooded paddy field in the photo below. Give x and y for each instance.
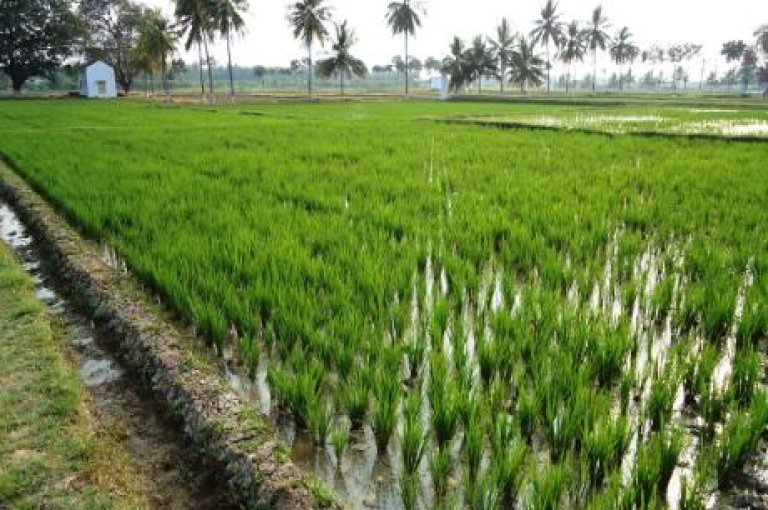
(443, 316)
(730, 123)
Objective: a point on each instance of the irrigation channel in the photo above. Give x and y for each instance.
(367, 478)
(160, 455)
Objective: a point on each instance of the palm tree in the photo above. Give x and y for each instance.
(403, 18)
(229, 21)
(573, 48)
(455, 66)
(479, 61)
(343, 62)
(548, 28)
(195, 20)
(527, 66)
(623, 50)
(502, 47)
(762, 38)
(308, 19)
(597, 38)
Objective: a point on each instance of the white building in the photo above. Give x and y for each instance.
(97, 80)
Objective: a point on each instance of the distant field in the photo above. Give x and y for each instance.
(577, 318)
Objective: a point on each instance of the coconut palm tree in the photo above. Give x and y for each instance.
(479, 61)
(597, 38)
(455, 66)
(623, 50)
(527, 66)
(229, 21)
(404, 17)
(572, 49)
(502, 46)
(343, 63)
(762, 38)
(196, 21)
(548, 28)
(308, 19)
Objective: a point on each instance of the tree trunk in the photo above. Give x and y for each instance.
(200, 62)
(501, 78)
(549, 66)
(406, 62)
(341, 74)
(594, 70)
(210, 72)
(309, 70)
(17, 81)
(229, 65)
(164, 70)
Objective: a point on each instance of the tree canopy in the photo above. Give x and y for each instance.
(35, 37)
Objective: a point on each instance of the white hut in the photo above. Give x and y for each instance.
(97, 80)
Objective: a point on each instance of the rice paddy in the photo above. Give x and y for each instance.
(442, 315)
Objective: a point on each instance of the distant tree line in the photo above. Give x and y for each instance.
(42, 38)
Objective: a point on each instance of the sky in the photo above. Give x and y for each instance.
(269, 40)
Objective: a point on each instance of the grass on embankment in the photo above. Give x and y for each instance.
(50, 455)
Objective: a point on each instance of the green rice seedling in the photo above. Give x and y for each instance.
(502, 433)
(740, 437)
(610, 497)
(446, 411)
(413, 441)
(753, 325)
(384, 420)
(340, 441)
(482, 494)
(410, 486)
(507, 471)
(525, 413)
(459, 338)
(608, 355)
(603, 448)
(717, 311)
(498, 395)
(692, 496)
(745, 378)
(439, 324)
(655, 462)
(487, 358)
(629, 296)
(416, 351)
(474, 440)
(550, 486)
(321, 413)
(269, 337)
(663, 296)
(440, 467)
(355, 395)
(689, 311)
(661, 398)
(250, 355)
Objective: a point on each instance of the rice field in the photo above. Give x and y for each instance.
(444, 315)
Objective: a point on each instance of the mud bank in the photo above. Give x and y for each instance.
(228, 433)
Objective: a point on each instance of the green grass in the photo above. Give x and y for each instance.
(312, 229)
(50, 453)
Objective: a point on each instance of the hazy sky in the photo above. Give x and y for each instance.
(269, 41)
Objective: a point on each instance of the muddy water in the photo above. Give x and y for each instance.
(171, 477)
